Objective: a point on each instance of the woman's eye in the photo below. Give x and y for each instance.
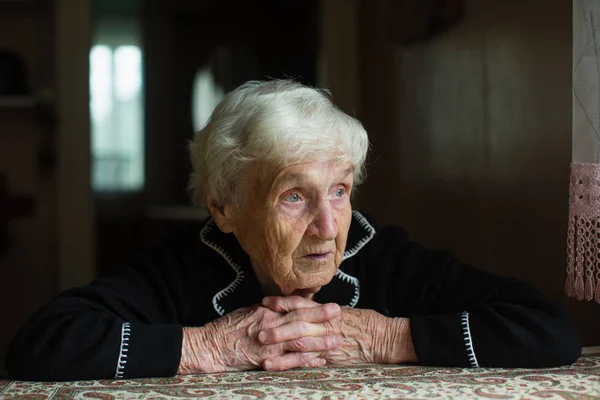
(292, 198)
(339, 192)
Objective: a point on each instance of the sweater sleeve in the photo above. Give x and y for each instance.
(465, 317)
(122, 327)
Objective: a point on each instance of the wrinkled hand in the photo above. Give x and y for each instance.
(231, 343)
(367, 336)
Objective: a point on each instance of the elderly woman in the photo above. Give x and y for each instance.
(285, 274)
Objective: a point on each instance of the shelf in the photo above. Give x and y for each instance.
(17, 102)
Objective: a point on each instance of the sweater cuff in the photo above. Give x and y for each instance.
(148, 350)
(443, 340)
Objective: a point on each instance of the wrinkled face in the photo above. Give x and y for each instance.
(294, 224)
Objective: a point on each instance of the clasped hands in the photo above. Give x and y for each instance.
(289, 332)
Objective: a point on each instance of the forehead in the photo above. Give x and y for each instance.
(311, 172)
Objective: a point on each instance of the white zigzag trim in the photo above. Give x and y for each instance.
(238, 270)
(350, 279)
(365, 224)
(349, 253)
(122, 359)
(468, 340)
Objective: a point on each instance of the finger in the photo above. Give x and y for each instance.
(315, 315)
(313, 344)
(293, 330)
(288, 303)
(289, 360)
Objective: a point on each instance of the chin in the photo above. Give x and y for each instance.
(306, 293)
(307, 282)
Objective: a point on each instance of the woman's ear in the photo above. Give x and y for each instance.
(222, 214)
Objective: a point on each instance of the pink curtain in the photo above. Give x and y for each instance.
(583, 241)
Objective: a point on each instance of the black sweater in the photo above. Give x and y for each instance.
(130, 325)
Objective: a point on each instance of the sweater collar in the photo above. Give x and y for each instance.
(244, 290)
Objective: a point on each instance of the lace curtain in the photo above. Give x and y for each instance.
(583, 263)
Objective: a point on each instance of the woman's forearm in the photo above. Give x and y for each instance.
(398, 345)
(198, 353)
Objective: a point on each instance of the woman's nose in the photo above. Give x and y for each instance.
(323, 224)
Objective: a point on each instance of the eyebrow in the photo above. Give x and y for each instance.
(298, 177)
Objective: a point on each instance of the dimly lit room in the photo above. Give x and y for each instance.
(299, 199)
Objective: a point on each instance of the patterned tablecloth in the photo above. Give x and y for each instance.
(579, 381)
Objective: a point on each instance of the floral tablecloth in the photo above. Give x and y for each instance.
(579, 381)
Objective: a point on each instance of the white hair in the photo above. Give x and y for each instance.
(279, 121)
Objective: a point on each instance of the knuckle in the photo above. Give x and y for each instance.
(252, 329)
(277, 303)
(331, 342)
(305, 357)
(327, 342)
(300, 345)
(274, 335)
(300, 314)
(260, 311)
(268, 319)
(331, 310)
(304, 327)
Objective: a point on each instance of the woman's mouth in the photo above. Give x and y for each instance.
(318, 256)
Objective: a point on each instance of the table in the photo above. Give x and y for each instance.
(579, 381)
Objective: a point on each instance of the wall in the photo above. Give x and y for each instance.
(471, 135)
(28, 268)
(44, 155)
